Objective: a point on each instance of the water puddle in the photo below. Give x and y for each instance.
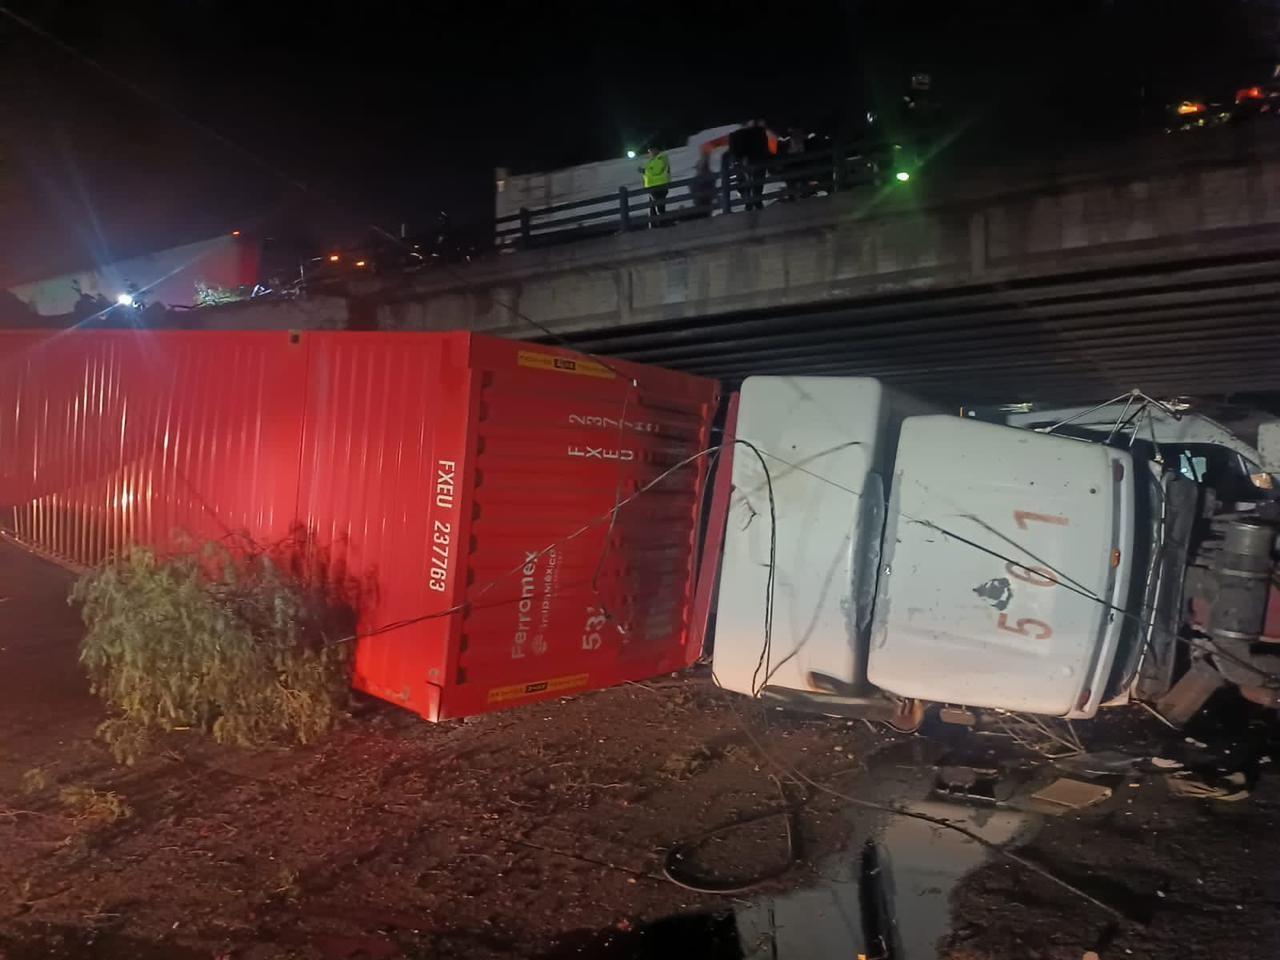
(892, 897)
(887, 898)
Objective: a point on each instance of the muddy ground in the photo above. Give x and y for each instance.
(500, 836)
(1193, 879)
(537, 832)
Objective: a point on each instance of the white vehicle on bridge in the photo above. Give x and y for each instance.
(879, 557)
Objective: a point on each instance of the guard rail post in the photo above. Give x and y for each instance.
(624, 207)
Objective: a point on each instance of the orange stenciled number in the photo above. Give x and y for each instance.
(1045, 631)
(1020, 517)
(1036, 576)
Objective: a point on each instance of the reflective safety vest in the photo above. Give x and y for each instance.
(657, 172)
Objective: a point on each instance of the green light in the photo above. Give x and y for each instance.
(902, 176)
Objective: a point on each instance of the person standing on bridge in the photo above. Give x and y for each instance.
(657, 175)
(749, 148)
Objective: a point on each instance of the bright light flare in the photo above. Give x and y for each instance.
(902, 176)
(125, 299)
(334, 258)
(631, 154)
(1189, 107)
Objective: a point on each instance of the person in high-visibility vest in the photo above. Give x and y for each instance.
(657, 174)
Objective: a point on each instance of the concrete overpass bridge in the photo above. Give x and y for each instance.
(1153, 263)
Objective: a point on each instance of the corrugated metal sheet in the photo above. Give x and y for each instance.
(110, 438)
(430, 470)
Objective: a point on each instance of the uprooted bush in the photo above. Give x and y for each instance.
(231, 642)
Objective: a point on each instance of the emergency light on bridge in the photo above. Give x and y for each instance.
(125, 299)
(902, 176)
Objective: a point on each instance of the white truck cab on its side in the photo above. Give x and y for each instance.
(917, 557)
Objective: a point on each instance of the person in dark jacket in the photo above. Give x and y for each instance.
(749, 148)
(791, 151)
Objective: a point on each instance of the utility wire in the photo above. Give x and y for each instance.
(1064, 581)
(766, 647)
(608, 515)
(672, 862)
(485, 588)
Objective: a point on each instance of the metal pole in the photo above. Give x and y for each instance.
(624, 208)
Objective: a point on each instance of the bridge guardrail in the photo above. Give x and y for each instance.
(735, 187)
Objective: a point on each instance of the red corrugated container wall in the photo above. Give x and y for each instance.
(451, 475)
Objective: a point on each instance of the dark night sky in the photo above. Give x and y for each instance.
(390, 111)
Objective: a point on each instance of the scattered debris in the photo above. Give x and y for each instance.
(94, 807)
(1065, 795)
(1100, 763)
(1186, 697)
(1230, 788)
(968, 783)
(690, 763)
(34, 780)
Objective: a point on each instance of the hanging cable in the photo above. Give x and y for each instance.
(584, 528)
(679, 853)
(1065, 582)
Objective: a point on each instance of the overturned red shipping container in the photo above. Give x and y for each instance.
(465, 482)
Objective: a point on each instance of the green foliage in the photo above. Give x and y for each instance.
(233, 643)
